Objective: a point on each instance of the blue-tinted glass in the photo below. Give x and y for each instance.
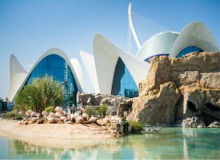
(56, 67)
(123, 83)
(189, 50)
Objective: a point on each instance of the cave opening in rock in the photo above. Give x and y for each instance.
(208, 118)
(191, 106)
(212, 107)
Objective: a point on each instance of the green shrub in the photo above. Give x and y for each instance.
(43, 92)
(102, 110)
(91, 111)
(136, 125)
(9, 115)
(49, 109)
(12, 115)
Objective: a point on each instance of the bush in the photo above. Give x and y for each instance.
(49, 109)
(102, 110)
(10, 115)
(91, 111)
(41, 93)
(136, 125)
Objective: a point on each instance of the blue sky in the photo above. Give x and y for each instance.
(28, 28)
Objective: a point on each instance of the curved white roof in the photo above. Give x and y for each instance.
(160, 43)
(194, 34)
(106, 56)
(74, 66)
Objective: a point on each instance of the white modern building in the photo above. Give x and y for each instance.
(112, 70)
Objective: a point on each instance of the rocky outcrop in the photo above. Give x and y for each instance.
(117, 105)
(177, 88)
(99, 99)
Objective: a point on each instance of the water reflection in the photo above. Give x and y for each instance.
(171, 143)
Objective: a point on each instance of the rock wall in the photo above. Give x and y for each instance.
(176, 88)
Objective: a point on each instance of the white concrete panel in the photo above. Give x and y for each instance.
(195, 34)
(17, 76)
(89, 64)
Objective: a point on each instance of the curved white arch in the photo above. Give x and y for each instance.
(160, 43)
(17, 76)
(131, 24)
(49, 52)
(106, 56)
(195, 34)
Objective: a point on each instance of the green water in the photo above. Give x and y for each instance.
(171, 143)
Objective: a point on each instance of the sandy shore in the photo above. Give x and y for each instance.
(54, 135)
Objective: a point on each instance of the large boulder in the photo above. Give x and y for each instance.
(160, 108)
(82, 98)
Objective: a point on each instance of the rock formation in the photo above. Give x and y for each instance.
(179, 88)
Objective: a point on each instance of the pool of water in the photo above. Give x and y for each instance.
(170, 143)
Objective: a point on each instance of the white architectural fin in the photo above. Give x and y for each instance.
(106, 56)
(17, 76)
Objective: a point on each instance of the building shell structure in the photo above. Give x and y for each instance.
(112, 70)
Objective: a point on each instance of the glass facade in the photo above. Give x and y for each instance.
(189, 50)
(56, 67)
(123, 83)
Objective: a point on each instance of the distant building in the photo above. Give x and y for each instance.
(5, 106)
(112, 70)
